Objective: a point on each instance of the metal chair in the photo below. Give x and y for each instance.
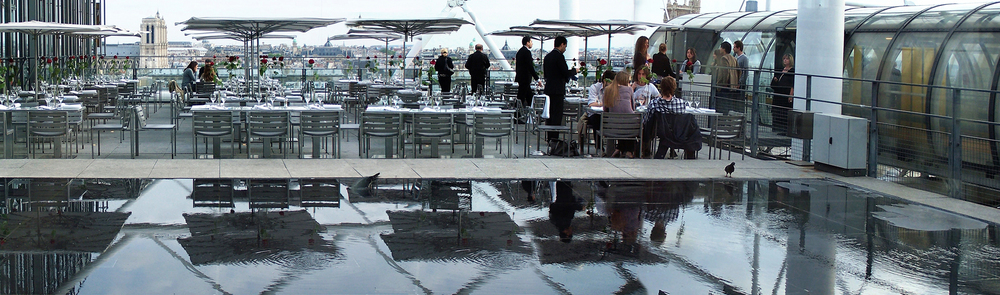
(435, 126)
(322, 124)
(728, 129)
(539, 127)
(101, 128)
(140, 124)
(267, 125)
(620, 126)
(48, 124)
(497, 126)
(381, 125)
(214, 124)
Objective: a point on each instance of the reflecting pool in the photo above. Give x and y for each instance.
(370, 235)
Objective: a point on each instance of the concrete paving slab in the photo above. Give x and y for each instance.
(51, 168)
(320, 168)
(6, 164)
(105, 168)
(514, 168)
(595, 169)
(446, 169)
(252, 168)
(185, 168)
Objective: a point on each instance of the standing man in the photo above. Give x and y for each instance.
(477, 64)
(557, 74)
(727, 80)
(525, 72)
(742, 62)
(445, 68)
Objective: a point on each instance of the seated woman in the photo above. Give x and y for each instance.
(668, 104)
(643, 90)
(618, 99)
(209, 74)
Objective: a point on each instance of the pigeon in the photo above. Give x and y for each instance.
(730, 169)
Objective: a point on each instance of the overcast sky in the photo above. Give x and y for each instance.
(492, 14)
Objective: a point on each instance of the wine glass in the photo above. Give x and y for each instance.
(307, 97)
(695, 102)
(59, 101)
(214, 97)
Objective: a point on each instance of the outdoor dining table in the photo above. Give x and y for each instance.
(240, 111)
(469, 110)
(8, 114)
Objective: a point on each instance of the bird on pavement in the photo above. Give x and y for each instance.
(730, 168)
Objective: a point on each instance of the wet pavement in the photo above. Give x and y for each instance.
(424, 236)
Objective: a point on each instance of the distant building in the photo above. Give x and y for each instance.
(122, 50)
(153, 47)
(675, 9)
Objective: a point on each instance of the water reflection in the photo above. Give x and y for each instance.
(372, 235)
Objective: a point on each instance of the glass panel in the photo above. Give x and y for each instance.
(862, 58)
(775, 21)
(747, 22)
(854, 16)
(722, 22)
(907, 140)
(891, 19)
(754, 45)
(986, 18)
(699, 21)
(942, 17)
(969, 61)
(682, 19)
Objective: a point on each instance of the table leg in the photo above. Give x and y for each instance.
(216, 147)
(478, 147)
(266, 145)
(389, 148)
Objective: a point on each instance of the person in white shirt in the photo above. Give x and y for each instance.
(643, 90)
(595, 98)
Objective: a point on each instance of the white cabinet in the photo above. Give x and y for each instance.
(841, 142)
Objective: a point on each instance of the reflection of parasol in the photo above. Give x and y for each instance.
(236, 238)
(62, 231)
(422, 235)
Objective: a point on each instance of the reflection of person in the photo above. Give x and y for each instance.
(525, 72)
(529, 187)
(188, 78)
(562, 210)
(663, 204)
(477, 64)
(783, 85)
(661, 63)
(557, 74)
(640, 57)
(618, 99)
(691, 63)
(445, 68)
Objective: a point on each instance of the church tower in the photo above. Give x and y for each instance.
(153, 47)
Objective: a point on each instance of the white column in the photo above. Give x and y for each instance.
(819, 50)
(570, 10)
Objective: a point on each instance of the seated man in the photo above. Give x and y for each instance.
(665, 118)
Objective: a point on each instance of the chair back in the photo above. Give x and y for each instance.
(432, 125)
(212, 123)
(268, 124)
(268, 193)
(140, 117)
(381, 124)
(621, 126)
(729, 127)
(494, 125)
(319, 123)
(48, 123)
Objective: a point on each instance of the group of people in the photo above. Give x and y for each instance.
(622, 92)
(205, 74)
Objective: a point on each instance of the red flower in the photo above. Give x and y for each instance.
(574, 59)
(72, 57)
(603, 61)
(348, 56)
(82, 57)
(48, 60)
(583, 64)
(116, 56)
(126, 57)
(93, 57)
(649, 60)
(376, 57)
(232, 58)
(400, 56)
(102, 57)
(213, 56)
(689, 63)
(263, 61)
(281, 58)
(10, 60)
(368, 57)
(311, 61)
(211, 63)
(56, 58)
(675, 60)
(433, 62)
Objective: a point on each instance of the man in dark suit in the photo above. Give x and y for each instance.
(477, 64)
(525, 72)
(557, 74)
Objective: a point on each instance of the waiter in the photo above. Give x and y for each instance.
(557, 74)
(525, 72)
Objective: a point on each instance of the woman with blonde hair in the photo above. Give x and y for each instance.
(618, 99)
